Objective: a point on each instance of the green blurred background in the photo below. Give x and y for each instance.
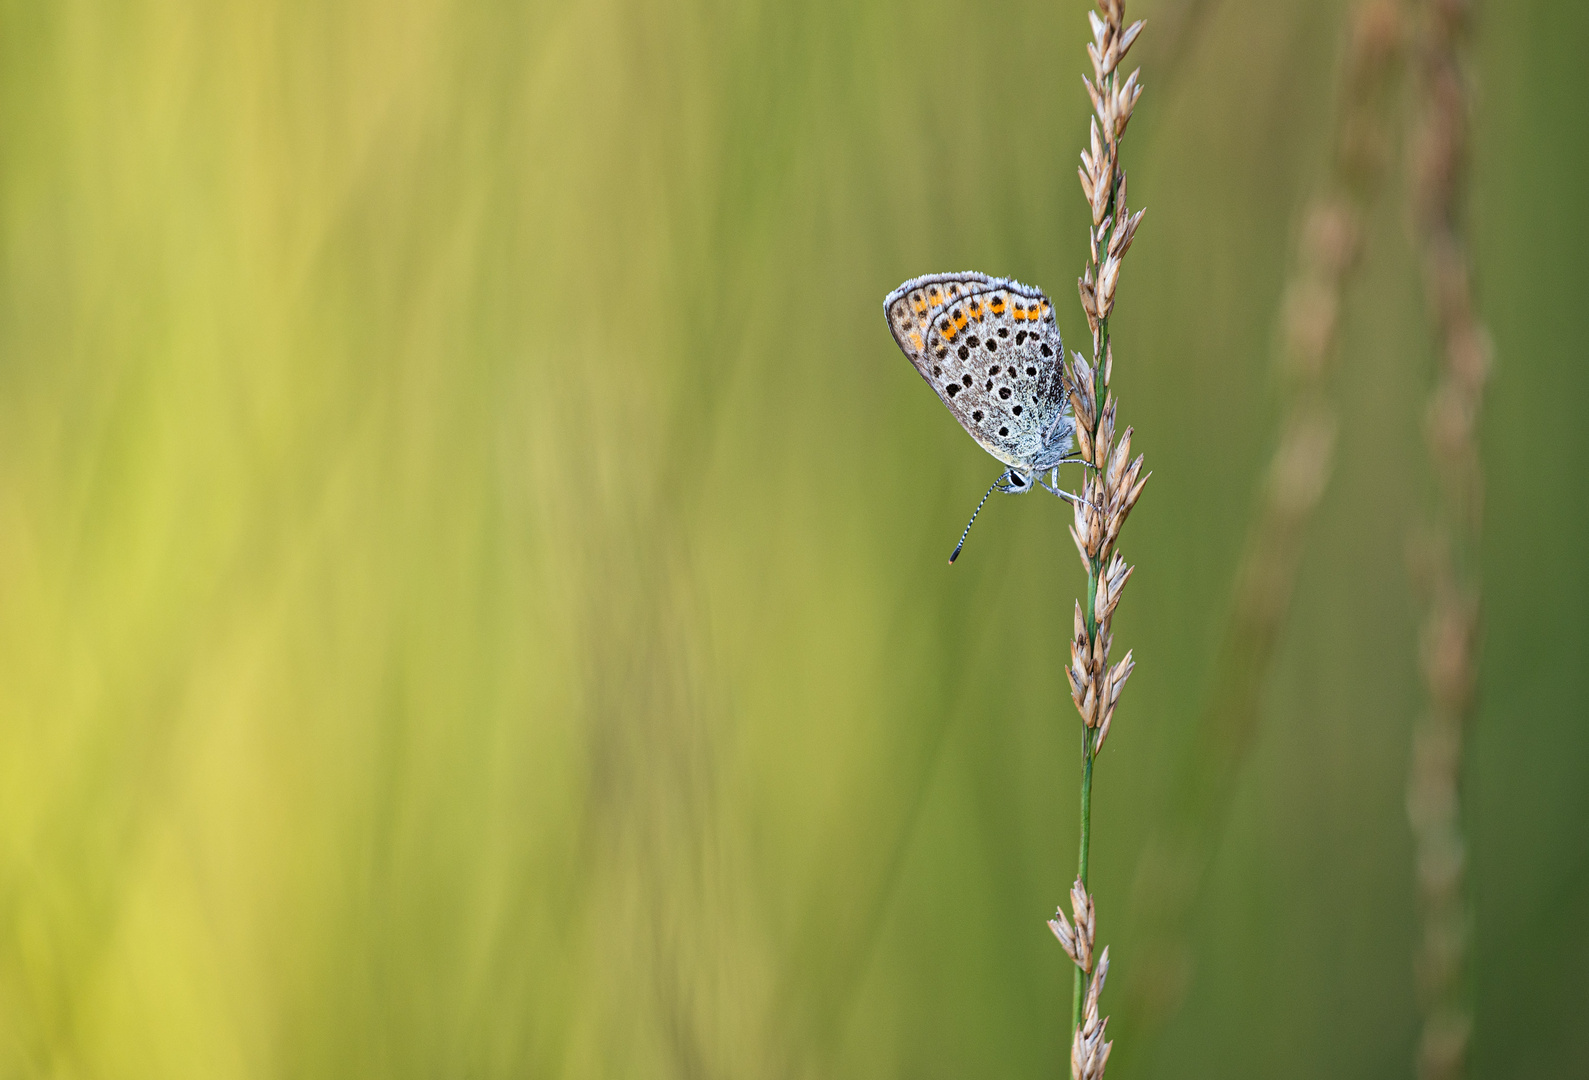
(472, 586)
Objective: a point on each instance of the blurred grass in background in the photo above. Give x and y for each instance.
(472, 587)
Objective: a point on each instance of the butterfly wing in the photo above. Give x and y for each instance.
(991, 350)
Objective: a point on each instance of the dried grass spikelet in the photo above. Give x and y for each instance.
(1330, 248)
(1076, 938)
(1107, 499)
(1113, 485)
(1110, 493)
(1103, 182)
(1334, 232)
(1446, 560)
(1089, 1051)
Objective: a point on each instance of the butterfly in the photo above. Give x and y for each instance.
(991, 350)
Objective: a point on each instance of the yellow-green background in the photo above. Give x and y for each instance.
(472, 586)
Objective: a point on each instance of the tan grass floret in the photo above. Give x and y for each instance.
(1114, 487)
(1076, 939)
(1089, 1051)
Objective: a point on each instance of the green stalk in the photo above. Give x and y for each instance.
(1078, 986)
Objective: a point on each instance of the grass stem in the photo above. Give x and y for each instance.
(1113, 483)
(1079, 985)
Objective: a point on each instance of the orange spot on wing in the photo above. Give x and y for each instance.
(915, 341)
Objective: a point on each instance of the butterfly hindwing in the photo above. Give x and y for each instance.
(990, 349)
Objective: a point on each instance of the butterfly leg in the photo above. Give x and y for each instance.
(1063, 494)
(1070, 461)
(1052, 485)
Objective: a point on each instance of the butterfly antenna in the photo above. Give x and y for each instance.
(972, 522)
